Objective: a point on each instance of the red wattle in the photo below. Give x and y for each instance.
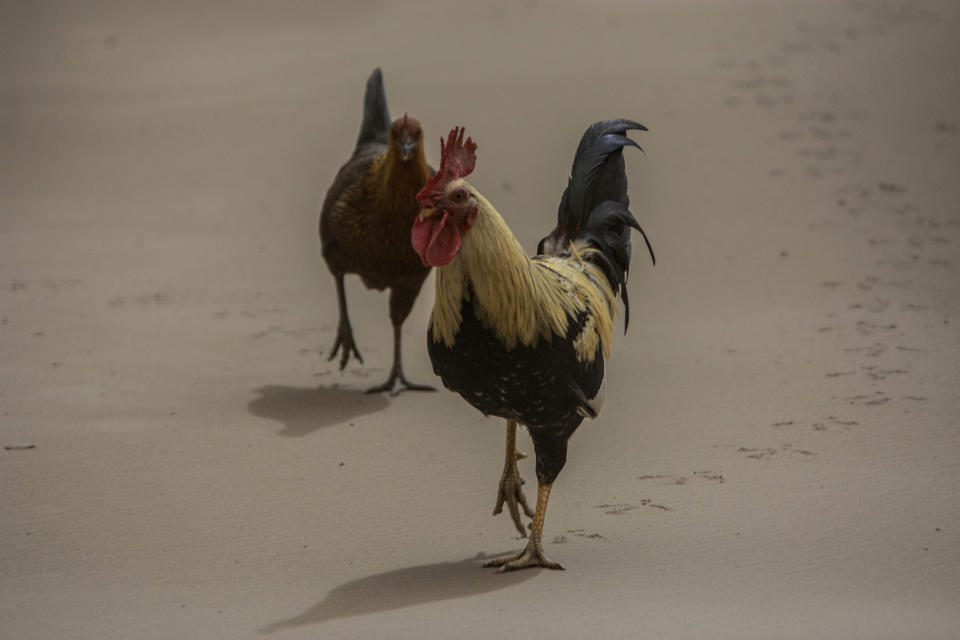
(436, 239)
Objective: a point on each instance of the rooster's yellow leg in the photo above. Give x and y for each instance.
(511, 485)
(532, 555)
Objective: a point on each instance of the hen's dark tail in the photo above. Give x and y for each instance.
(376, 116)
(594, 205)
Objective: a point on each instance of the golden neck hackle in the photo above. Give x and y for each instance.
(521, 300)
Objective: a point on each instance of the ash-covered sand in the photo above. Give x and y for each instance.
(777, 457)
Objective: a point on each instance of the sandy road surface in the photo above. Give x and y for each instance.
(777, 455)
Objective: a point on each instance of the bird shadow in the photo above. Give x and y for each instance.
(406, 588)
(303, 410)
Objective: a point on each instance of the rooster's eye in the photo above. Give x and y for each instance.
(458, 196)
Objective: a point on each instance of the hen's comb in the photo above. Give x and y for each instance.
(457, 159)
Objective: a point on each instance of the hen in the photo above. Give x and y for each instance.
(366, 218)
(525, 338)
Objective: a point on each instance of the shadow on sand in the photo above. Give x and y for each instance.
(405, 588)
(303, 410)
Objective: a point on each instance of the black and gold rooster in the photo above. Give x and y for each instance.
(524, 338)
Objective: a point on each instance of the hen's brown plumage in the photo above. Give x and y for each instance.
(366, 219)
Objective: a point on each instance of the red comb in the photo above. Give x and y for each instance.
(457, 159)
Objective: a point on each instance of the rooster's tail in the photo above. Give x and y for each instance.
(593, 208)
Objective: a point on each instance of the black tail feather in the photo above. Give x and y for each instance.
(376, 116)
(594, 206)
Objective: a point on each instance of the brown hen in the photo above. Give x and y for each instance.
(366, 220)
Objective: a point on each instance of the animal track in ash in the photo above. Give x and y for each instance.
(827, 152)
(262, 311)
(149, 299)
(158, 299)
(582, 533)
(942, 126)
(768, 90)
(876, 373)
(854, 199)
(867, 327)
(696, 477)
(756, 453)
(877, 305)
(904, 235)
(712, 477)
(868, 283)
(803, 452)
(837, 374)
(622, 508)
(842, 423)
(874, 399)
(872, 351)
(910, 349)
(274, 330)
(759, 453)
(53, 285)
(891, 187)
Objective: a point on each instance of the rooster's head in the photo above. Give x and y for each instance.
(449, 205)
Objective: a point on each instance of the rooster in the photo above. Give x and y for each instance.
(366, 218)
(524, 338)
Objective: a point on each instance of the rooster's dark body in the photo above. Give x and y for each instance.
(543, 387)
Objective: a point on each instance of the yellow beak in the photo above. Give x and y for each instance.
(427, 213)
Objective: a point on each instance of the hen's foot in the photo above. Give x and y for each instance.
(532, 556)
(398, 382)
(345, 345)
(511, 492)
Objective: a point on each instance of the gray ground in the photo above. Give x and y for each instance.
(777, 457)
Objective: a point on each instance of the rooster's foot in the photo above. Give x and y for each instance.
(532, 556)
(511, 492)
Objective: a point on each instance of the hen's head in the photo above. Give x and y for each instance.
(405, 136)
(449, 205)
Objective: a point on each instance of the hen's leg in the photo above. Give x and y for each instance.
(511, 484)
(532, 555)
(344, 341)
(401, 302)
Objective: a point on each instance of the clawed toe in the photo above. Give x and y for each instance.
(511, 493)
(345, 345)
(528, 558)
